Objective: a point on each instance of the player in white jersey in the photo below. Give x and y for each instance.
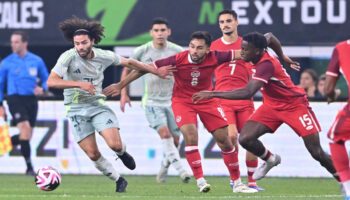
(79, 71)
(157, 97)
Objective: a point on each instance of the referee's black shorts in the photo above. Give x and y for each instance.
(23, 108)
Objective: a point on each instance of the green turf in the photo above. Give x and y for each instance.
(145, 187)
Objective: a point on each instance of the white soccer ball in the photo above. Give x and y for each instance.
(47, 178)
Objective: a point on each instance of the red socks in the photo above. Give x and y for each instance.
(194, 160)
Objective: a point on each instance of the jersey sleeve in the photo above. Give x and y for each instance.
(334, 66)
(264, 71)
(3, 77)
(224, 56)
(43, 74)
(62, 64)
(136, 54)
(166, 61)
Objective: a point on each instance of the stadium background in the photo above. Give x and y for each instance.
(308, 30)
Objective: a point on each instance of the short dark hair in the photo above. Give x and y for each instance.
(257, 39)
(160, 20)
(24, 35)
(202, 35)
(228, 11)
(75, 26)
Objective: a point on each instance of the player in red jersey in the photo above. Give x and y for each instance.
(283, 101)
(229, 76)
(340, 130)
(195, 68)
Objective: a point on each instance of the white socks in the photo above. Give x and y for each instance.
(121, 152)
(346, 186)
(172, 154)
(106, 168)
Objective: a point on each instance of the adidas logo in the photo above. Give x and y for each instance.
(149, 60)
(77, 71)
(109, 121)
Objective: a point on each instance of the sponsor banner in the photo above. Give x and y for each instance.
(295, 22)
(53, 145)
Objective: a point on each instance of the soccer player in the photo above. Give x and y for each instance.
(229, 76)
(20, 71)
(339, 132)
(283, 101)
(157, 97)
(79, 71)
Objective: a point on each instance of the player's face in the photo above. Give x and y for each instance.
(160, 33)
(17, 44)
(248, 51)
(83, 45)
(228, 24)
(198, 49)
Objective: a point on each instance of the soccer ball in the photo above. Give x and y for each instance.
(47, 178)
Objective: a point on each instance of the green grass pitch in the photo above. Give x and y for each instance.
(14, 187)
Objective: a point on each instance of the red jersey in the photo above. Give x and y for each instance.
(279, 92)
(231, 75)
(340, 62)
(193, 77)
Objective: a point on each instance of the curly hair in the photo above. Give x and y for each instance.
(76, 26)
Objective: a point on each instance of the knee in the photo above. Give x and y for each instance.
(116, 146)
(244, 140)
(316, 153)
(93, 155)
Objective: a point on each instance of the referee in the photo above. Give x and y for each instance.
(20, 71)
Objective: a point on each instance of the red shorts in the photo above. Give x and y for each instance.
(237, 114)
(210, 112)
(340, 129)
(300, 118)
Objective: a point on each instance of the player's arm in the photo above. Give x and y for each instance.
(124, 97)
(55, 81)
(3, 75)
(116, 88)
(275, 45)
(243, 93)
(137, 65)
(332, 76)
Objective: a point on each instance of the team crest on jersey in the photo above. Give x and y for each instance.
(178, 118)
(33, 71)
(195, 75)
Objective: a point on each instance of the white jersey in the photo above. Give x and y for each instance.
(158, 91)
(71, 66)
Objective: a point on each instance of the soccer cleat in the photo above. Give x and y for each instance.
(30, 172)
(163, 172)
(265, 167)
(128, 160)
(121, 185)
(203, 186)
(185, 178)
(257, 188)
(241, 188)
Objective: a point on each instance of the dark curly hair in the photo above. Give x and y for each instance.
(76, 26)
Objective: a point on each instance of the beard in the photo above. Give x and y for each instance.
(87, 52)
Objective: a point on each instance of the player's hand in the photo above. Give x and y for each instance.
(112, 90)
(199, 96)
(124, 99)
(38, 91)
(166, 71)
(337, 93)
(87, 86)
(291, 63)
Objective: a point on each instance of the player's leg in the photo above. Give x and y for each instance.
(106, 123)
(242, 115)
(312, 144)
(338, 134)
(89, 146)
(248, 139)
